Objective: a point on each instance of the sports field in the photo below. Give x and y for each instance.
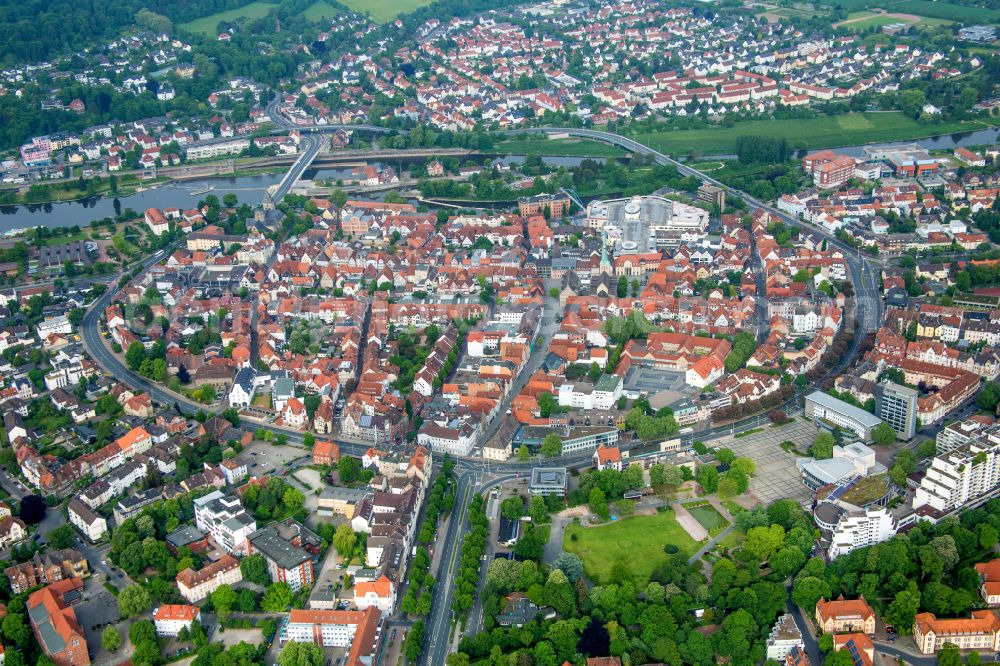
(385, 10)
(207, 25)
(811, 133)
(601, 547)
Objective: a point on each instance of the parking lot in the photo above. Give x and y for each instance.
(264, 458)
(97, 609)
(777, 476)
(329, 577)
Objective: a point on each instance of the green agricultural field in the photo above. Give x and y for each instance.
(384, 11)
(929, 8)
(601, 547)
(873, 22)
(320, 11)
(812, 133)
(207, 25)
(567, 147)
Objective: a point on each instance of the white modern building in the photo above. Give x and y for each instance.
(846, 527)
(59, 325)
(849, 461)
(587, 396)
(225, 519)
(784, 636)
(958, 476)
(217, 149)
(961, 432)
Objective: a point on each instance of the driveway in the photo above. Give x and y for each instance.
(554, 548)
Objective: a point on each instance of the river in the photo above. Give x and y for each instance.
(181, 195)
(250, 189)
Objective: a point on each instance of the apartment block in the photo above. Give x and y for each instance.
(958, 476)
(196, 585)
(225, 519)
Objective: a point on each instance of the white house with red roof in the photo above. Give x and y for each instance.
(171, 618)
(379, 593)
(608, 457)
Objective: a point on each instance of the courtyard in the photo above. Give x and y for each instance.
(777, 476)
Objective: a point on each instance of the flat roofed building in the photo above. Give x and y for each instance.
(225, 519)
(548, 481)
(962, 474)
(336, 500)
(784, 636)
(287, 561)
(823, 407)
(897, 406)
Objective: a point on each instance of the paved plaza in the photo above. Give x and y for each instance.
(777, 477)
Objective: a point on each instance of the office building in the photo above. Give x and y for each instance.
(825, 408)
(847, 463)
(897, 406)
(548, 481)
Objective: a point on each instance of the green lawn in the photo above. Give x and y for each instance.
(567, 147)
(207, 25)
(384, 11)
(708, 516)
(636, 541)
(321, 10)
(812, 133)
